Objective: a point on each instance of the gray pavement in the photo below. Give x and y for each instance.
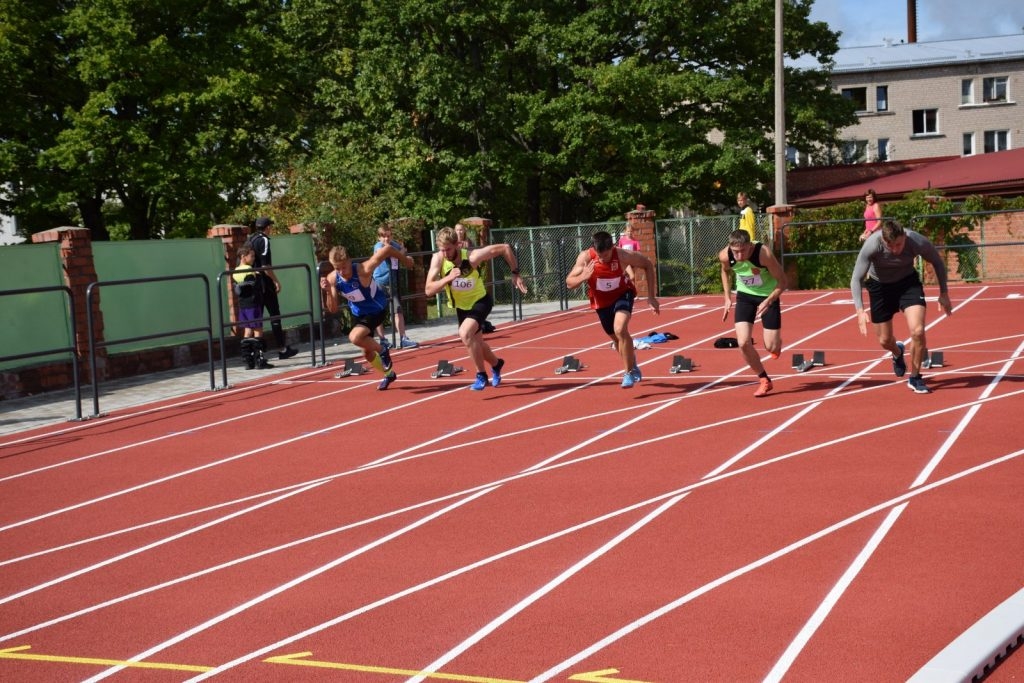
(20, 414)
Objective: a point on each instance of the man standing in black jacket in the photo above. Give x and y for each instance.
(260, 242)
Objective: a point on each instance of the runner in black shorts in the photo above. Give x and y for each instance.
(885, 265)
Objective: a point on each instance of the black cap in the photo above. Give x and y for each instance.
(263, 222)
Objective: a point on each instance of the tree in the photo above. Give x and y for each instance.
(155, 116)
(563, 111)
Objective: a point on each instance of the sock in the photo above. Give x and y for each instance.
(377, 363)
(764, 374)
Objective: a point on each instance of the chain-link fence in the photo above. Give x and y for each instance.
(688, 248)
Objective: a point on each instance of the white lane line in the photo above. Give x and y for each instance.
(263, 597)
(629, 628)
(544, 590)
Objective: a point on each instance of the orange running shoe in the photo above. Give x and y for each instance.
(764, 387)
(774, 355)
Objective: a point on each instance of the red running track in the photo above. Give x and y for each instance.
(554, 528)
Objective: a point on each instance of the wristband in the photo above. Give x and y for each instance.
(515, 271)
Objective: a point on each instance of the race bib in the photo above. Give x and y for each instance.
(752, 280)
(462, 284)
(607, 284)
(355, 296)
(394, 263)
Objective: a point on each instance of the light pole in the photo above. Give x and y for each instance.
(780, 112)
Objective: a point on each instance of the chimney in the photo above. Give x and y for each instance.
(911, 21)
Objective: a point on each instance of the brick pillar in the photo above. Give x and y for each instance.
(642, 221)
(483, 227)
(232, 237)
(79, 273)
(782, 215)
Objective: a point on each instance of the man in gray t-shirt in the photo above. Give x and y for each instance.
(885, 266)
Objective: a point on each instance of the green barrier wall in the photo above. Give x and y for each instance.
(33, 322)
(155, 307)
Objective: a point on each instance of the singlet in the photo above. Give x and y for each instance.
(468, 288)
(362, 300)
(752, 277)
(608, 282)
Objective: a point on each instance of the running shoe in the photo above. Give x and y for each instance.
(899, 365)
(481, 382)
(764, 387)
(386, 382)
(628, 380)
(917, 385)
(287, 353)
(384, 343)
(385, 358)
(774, 355)
(637, 375)
(407, 343)
(496, 372)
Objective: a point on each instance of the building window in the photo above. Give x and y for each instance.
(967, 91)
(883, 149)
(996, 140)
(968, 144)
(882, 98)
(994, 89)
(926, 121)
(859, 96)
(855, 151)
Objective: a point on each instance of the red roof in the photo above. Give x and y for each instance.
(998, 173)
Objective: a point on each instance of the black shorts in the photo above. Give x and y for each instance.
(889, 297)
(371, 321)
(746, 311)
(481, 309)
(607, 314)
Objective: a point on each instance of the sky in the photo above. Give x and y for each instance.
(870, 22)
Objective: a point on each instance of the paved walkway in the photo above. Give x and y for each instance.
(59, 406)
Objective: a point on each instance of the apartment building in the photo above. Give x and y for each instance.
(923, 100)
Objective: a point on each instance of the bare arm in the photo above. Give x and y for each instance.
(769, 261)
(435, 283)
(330, 291)
(723, 257)
(581, 271)
(367, 267)
(491, 251)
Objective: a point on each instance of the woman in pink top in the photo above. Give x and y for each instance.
(626, 241)
(872, 214)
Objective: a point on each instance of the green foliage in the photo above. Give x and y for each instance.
(141, 119)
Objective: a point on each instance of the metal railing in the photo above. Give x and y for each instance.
(306, 313)
(93, 344)
(64, 349)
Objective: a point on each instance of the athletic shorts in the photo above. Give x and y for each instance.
(746, 311)
(481, 309)
(889, 297)
(371, 321)
(607, 314)
(250, 318)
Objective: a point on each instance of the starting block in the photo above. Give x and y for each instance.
(934, 360)
(681, 364)
(569, 364)
(802, 365)
(352, 367)
(445, 369)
